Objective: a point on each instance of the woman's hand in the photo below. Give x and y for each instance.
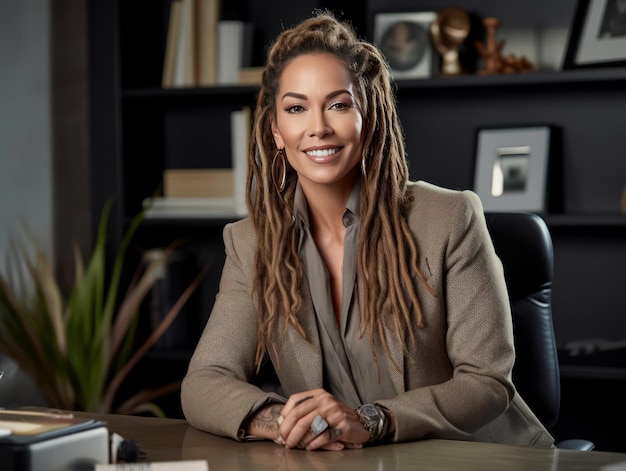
(264, 424)
(317, 420)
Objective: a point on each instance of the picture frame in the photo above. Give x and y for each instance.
(598, 35)
(512, 168)
(404, 39)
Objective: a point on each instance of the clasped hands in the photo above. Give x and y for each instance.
(311, 420)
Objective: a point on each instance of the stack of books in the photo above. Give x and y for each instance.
(199, 183)
(50, 439)
(208, 192)
(202, 50)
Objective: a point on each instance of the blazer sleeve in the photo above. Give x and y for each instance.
(473, 316)
(215, 394)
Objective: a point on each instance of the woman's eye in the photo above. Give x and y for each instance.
(294, 109)
(338, 106)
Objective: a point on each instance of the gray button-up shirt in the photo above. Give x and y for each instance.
(350, 371)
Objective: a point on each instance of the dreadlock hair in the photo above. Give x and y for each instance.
(387, 252)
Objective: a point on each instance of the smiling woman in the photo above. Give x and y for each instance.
(379, 302)
(318, 127)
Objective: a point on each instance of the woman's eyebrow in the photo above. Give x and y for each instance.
(300, 96)
(337, 93)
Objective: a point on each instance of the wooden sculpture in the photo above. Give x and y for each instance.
(491, 52)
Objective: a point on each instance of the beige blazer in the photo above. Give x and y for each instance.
(455, 380)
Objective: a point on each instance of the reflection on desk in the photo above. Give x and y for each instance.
(174, 440)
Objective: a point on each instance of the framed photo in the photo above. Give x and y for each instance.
(404, 39)
(512, 164)
(598, 35)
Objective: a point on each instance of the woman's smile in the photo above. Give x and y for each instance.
(323, 155)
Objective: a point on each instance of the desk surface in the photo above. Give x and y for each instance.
(174, 440)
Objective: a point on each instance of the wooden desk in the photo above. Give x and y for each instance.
(174, 439)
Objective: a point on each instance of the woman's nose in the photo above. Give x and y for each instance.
(318, 125)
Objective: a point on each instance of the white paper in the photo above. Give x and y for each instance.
(193, 465)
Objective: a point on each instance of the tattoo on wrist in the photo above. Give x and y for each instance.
(335, 434)
(265, 419)
(262, 425)
(273, 412)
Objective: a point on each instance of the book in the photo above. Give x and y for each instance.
(179, 64)
(185, 60)
(234, 49)
(171, 44)
(198, 183)
(50, 439)
(190, 208)
(184, 465)
(208, 13)
(240, 137)
(29, 424)
(208, 192)
(202, 50)
(251, 75)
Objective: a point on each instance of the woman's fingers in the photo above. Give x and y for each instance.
(317, 420)
(297, 400)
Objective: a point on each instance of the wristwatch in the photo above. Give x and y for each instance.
(374, 420)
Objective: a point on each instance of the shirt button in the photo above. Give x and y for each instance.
(348, 219)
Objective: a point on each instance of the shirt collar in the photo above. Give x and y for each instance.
(351, 214)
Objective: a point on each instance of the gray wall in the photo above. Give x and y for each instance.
(44, 146)
(25, 125)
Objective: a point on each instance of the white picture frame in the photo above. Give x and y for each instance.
(405, 40)
(511, 171)
(598, 34)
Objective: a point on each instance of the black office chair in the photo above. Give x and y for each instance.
(523, 243)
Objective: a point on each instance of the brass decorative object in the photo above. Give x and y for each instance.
(450, 28)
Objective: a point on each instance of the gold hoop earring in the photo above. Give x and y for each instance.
(283, 177)
(363, 169)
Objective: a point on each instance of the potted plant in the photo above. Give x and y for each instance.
(79, 348)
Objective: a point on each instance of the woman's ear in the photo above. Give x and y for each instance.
(278, 140)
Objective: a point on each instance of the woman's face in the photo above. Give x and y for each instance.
(318, 122)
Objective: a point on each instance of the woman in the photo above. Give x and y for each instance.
(380, 302)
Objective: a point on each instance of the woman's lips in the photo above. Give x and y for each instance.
(322, 156)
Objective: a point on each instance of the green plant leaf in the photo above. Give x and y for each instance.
(76, 348)
(117, 380)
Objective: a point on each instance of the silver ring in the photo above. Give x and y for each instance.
(319, 425)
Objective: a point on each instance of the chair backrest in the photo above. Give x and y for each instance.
(523, 243)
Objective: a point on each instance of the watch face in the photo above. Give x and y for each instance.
(369, 414)
(369, 409)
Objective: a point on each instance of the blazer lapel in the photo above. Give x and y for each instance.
(299, 361)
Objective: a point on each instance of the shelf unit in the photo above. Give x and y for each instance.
(138, 129)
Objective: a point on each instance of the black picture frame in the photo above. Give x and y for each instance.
(416, 58)
(597, 36)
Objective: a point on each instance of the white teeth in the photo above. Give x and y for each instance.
(322, 153)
